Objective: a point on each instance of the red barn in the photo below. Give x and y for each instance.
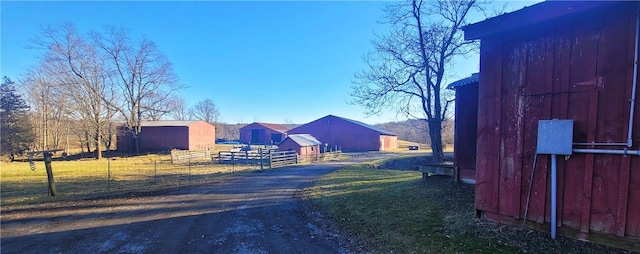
(263, 133)
(561, 60)
(350, 135)
(465, 125)
(303, 144)
(167, 135)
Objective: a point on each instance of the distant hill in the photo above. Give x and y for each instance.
(417, 131)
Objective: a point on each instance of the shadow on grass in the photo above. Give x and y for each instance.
(35, 191)
(394, 211)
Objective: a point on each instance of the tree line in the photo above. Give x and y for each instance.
(86, 84)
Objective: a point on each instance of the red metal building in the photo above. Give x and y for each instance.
(349, 135)
(465, 126)
(303, 144)
(561, 60)
(263, 133)
(166, 135)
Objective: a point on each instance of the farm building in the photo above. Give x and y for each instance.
(571, 61)
(303, 144)
(263, 133)
(349, 135)
(166, 135)
(465, 125)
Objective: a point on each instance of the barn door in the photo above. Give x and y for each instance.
(255, 136)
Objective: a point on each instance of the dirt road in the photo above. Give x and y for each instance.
(260, 213)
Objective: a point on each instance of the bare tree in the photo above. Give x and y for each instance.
(407, 68)
(160, 107)
(141, 72)
(206, 110)
(79, 72)
(48, 104)
(179, 109)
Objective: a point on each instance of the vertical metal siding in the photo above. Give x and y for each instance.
(338, 132)
(157, 138)
(202, 135)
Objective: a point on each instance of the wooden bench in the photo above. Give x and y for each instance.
(438, 169)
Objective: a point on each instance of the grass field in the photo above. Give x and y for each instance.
(393, 211)
(87, 178)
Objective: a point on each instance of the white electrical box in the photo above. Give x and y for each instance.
(555, 137)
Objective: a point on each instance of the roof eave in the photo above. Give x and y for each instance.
(527, 16)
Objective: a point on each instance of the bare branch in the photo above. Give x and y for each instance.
(407, 67)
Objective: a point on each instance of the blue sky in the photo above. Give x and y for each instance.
(258, 61)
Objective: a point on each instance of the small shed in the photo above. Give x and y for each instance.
(465, 125)
(263, 133)
(349, 135)
(167, 135)
(303, 144)
(572, 60)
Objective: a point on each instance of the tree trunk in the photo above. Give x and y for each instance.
(98, 145)
(435, 133)
(136, 143)
(87, 141)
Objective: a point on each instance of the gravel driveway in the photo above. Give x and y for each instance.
(261, 213)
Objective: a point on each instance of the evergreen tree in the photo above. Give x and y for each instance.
(16, 132)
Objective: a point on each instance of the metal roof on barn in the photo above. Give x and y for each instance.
(167, 123)
(471, 80)
(304, 139)
(380, 130)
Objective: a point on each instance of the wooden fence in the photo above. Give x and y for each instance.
(271, 158)
(185, 156)
(279, 159)
(268, 158)
(243, 157)
(322, 157)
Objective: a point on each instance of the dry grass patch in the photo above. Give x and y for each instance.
(88, 178)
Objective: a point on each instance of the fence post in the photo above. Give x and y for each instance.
(189, 168)
(108, 174)
(52, 183)
(261, 159)
(270, 159)
(155, 171)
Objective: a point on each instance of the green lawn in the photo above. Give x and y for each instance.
(393, 211)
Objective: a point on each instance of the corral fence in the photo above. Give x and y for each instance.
(327, 156)
(272, 158)
(264, 158)
(185, 156)
(279, 159)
